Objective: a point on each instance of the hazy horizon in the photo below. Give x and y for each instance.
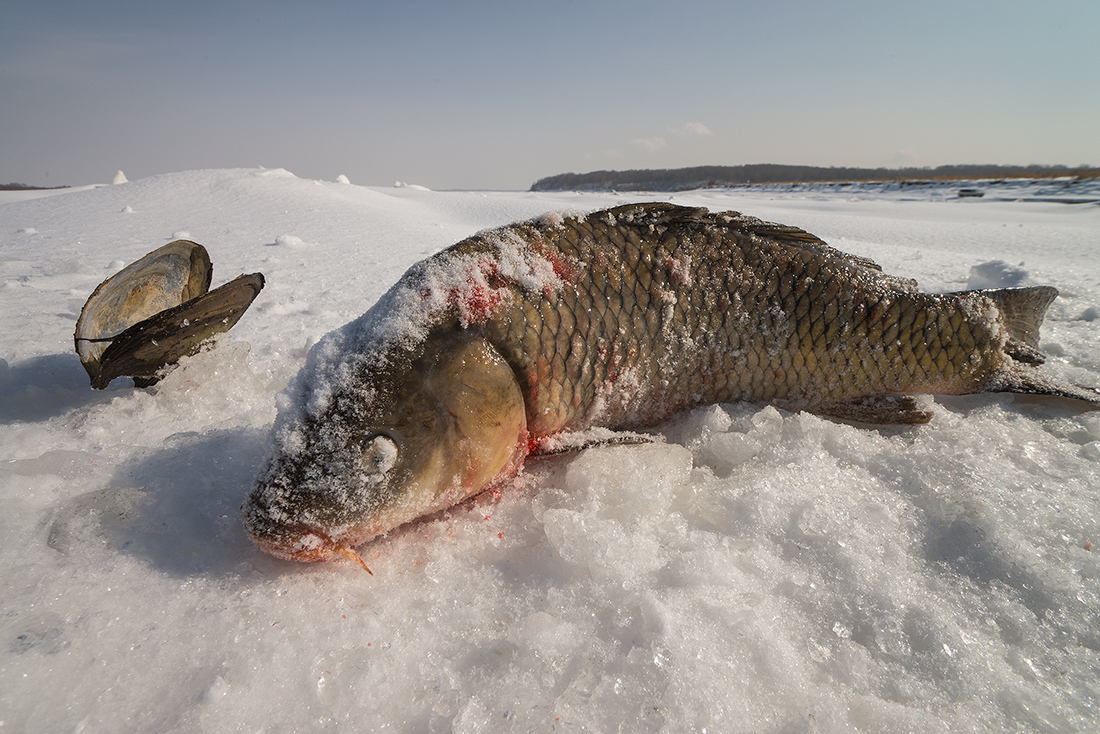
(494, 95)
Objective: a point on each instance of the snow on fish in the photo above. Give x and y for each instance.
(491, 350)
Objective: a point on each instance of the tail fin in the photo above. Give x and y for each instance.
(1022, 311)
(1030, 381)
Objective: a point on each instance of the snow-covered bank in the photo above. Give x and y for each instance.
(762, 571)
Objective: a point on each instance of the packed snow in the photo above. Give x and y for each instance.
(759, 571)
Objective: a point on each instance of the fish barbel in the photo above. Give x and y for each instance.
(484, 352)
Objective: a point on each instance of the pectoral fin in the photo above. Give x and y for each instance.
(570, 442)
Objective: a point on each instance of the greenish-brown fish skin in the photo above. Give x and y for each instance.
(616, 319)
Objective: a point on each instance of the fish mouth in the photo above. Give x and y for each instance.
(303, 544)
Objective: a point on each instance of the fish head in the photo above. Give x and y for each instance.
(401, 441)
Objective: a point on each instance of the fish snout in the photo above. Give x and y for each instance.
(295, 542)
(281, 536)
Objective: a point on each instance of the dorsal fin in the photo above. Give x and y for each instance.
(656, 213)
(801, 238)
(664, 213)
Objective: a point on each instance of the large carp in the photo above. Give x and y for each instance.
(618, 319)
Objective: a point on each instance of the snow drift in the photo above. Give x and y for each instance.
(762, 571)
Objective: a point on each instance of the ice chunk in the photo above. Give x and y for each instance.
(625, 491)
(630, 484)
(604, 547)
(215, 691)
(289, 240)
(723, 451)
(996, 274)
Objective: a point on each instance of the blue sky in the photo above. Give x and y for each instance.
(493, 95)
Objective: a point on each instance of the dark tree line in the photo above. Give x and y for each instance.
(25, 187)
(682, 179)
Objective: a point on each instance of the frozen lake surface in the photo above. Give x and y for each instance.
(762, 571)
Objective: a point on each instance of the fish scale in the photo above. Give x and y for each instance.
(810, 327)
(494, 347)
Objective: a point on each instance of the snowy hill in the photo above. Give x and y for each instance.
(762, 571)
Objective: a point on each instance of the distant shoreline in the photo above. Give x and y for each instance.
(703, 177)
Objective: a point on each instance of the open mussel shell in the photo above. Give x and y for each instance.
(155, 311)
(144, 349)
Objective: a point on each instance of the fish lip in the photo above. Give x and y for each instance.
(298, 543)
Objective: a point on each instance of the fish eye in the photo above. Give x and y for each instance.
(379, 454)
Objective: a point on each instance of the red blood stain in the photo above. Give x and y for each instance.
(476, 296)
(475, 301)
(562, 268)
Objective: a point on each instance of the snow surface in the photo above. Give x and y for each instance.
(760, 572)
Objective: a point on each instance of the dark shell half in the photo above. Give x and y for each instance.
(155, 311)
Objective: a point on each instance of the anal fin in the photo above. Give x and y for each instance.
(570, 442)
(878, 410)
(1022, 352)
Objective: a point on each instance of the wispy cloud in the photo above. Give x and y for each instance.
(651, 144)
(690, 129)
(657, 142)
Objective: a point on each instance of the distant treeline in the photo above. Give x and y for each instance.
(26, 187)
(700, 177)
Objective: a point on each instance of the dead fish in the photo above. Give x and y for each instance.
(483, 353)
